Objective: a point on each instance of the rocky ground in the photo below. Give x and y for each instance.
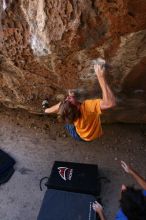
(37, 141)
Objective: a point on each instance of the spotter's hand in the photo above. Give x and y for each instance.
(97, 207)
(126, 168)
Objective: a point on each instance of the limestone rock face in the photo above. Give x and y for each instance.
(47, 47)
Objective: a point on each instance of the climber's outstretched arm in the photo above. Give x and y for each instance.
(53, 109)
(108, 99)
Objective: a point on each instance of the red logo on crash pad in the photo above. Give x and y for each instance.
(65, 173)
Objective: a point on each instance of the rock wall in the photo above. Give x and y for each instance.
(47, 47)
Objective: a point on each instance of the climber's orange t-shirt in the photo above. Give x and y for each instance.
(88, 126)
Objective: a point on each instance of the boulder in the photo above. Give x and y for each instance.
(47, 47)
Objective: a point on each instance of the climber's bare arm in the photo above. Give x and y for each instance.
(108, 99)
(53, 109)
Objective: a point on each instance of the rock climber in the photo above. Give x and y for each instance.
(82, 120)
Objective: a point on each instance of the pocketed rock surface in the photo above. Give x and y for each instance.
(47, 47)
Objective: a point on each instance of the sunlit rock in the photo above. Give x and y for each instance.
(47, 47)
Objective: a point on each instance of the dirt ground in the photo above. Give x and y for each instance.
(37, 141)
